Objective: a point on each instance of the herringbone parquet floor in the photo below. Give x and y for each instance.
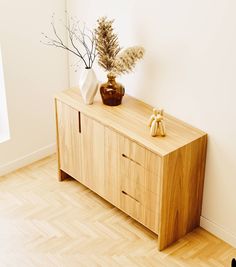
(45, 223)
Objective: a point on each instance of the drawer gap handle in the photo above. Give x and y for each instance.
(79, 121)
(125, 193)
(124, 156)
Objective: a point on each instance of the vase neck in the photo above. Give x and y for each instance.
(111, 77)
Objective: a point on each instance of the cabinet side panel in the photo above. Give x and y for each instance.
(181, 191)
(61, 177)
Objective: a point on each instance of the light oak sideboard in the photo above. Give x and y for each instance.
(158, 181)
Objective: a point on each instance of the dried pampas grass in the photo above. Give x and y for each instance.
(109, 55)
(126, 60)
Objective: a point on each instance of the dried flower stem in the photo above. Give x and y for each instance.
(81, 42)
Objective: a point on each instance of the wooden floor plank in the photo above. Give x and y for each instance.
(48, 223)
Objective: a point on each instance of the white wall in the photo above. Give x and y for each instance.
(33, 74)
(189, 69)
(4, 124)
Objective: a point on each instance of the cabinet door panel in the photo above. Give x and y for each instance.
(69, 140)
(92, 140)
(112, 181)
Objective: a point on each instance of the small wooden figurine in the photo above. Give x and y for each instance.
(156, 123)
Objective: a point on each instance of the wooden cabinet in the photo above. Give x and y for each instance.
(157, 181)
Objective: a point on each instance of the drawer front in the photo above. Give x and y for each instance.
(139, 184)
(152, 182)
(139, 164)
(133, 175)
(139, 212)
(150, 220)
(132, 171)
(132, 151)
(139, 155)
(153, 162)
(138, 175)
(130, 205)
(146, 198)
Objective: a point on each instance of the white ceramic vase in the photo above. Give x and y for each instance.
(88, 85)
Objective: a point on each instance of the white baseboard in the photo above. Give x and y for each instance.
(27, 159)
(218, 231)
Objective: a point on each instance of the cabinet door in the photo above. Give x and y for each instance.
(112, 179)
(69, 140)
(92, 140)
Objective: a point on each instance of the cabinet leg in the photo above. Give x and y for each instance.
(63, 175)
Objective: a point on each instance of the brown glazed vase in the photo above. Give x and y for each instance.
(111, 91)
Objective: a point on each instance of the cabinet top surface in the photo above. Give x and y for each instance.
(131, 118)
